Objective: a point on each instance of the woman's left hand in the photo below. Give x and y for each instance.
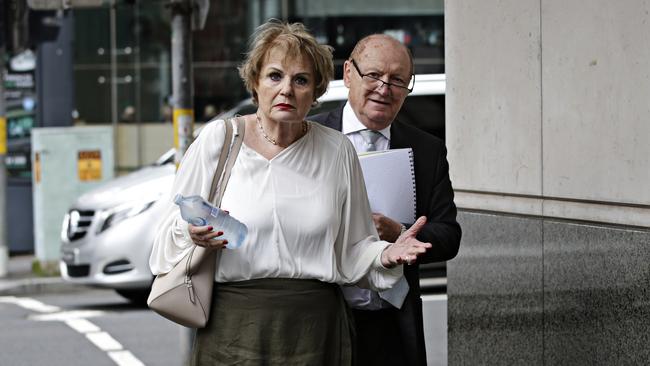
(204, 236)
(406, 248)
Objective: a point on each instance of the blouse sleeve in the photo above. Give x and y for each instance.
(358, 247)
(193, 177)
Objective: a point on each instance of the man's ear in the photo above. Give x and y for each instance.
(347, 68)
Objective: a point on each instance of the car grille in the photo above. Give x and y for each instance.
(78, 223)
(78, 270)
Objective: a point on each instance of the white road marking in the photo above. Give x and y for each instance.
(124, 358)
(78, 322)
(8, 299)
(29, 304)
(82, 325)
(67, 315)
(104, 341)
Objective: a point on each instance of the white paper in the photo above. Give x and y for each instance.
(390, 183)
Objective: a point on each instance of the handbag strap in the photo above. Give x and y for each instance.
(227, 158)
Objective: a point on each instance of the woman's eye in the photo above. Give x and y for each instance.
(275, 76)
(301, 80)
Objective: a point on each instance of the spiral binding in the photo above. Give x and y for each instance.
(414, 185)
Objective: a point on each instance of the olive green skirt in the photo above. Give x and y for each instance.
(275, 322)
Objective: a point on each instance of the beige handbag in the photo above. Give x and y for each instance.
(183, 295)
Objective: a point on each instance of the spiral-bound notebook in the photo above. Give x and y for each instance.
(390, 182)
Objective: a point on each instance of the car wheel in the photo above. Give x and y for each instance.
(138, 296)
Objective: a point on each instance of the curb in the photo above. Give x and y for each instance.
(34, 286)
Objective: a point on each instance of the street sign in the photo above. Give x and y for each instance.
(89, 165)
(65, 4)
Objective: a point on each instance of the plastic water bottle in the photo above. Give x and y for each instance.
(198, 212)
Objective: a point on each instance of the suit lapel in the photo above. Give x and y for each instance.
(335, 118)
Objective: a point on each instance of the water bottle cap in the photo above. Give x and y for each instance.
(197, 221)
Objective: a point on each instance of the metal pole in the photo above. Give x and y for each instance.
(137, 83)
(183, 103)
(4, 247)
(285, 10)
(113, 78)
(182, 76)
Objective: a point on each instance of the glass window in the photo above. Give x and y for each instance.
(93, 94)
(419, 24)
(143, 82)
(143, 38)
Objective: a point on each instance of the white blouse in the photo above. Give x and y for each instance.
(306, 210)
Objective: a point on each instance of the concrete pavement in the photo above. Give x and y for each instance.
(21, 281)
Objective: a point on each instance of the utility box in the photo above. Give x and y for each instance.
(66, 162)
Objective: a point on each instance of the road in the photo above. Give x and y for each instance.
(434, 311)
(98, 327)
(85, 327)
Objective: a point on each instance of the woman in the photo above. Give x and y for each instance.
(299, 189)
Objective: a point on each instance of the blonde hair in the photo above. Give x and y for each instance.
(296, 41)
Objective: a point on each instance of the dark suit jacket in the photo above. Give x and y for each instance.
(434, 199)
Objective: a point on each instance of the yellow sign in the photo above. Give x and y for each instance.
(37, 167)
(89, 164)
(183, 123)
(183, 126)
(3, 136)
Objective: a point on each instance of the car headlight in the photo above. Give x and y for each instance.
(120, 213)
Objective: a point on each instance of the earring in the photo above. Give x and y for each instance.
(314, 104)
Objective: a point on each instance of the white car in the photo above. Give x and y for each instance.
(108, 232)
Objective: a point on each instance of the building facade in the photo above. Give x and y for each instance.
(548, 136)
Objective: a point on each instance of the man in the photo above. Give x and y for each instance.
(378, 75)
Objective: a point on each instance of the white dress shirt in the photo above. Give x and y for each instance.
(360, 298)
(351, 127)
(306, 211)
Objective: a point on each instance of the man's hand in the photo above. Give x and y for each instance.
(387, 228)
(406, 248)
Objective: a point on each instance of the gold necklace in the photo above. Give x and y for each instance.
(305, 128)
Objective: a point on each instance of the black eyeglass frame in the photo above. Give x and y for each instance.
(388, 84)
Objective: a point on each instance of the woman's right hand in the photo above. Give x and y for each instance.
(203, 236)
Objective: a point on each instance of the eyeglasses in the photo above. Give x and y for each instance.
(373, 82)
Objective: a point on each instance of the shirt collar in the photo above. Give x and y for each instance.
(351, 123)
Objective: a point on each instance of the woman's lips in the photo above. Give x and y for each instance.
(284, 106)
